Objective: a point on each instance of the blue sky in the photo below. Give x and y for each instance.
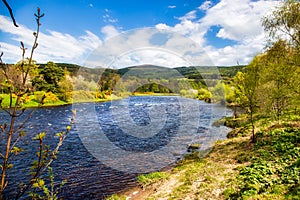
(77, 31)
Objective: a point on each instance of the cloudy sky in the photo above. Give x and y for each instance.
(123, 33)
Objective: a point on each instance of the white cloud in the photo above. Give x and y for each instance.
(109, 31)
(147, 46)
(240, 21)
(158, 57)
(206, 5)
(172, 7)
(10, 55)
(113, 20)
(107, 18)
(189, 16)
(192, 30)
(237, 20)
(52, 45)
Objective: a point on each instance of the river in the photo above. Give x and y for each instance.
(112, 142)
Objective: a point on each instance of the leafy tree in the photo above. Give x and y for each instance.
(49, 78)
(40, 84)
(247, 88)
(278, 79)
(13, 77)
(284, 22)
(239, 91)
(66, 86)
(80, 83)
(108, 81)
(23, 65)
(52, 73)
(218, 92)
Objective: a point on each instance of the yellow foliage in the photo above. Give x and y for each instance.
(50, 98)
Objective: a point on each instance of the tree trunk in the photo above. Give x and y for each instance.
(8, 146)
(252, 125)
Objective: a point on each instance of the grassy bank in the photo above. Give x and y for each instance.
(235, 168)
(32, 101)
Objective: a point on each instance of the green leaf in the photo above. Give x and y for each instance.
(41, 182)
(22, 133)
(39, 136)
(35, 185)
(16, 150)
(9, 166)
(59, 134)
(64, 182)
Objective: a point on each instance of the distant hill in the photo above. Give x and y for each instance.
(152, 71)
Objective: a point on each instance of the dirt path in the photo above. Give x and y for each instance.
(195, 178)
(159, 190)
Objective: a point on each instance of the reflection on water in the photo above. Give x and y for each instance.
(136, 134)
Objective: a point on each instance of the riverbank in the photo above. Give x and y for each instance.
(194, 177)
(236, 168)
(31, 101)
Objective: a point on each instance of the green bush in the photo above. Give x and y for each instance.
(275, 167)
(204, 94)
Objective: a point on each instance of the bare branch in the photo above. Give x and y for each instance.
(10, 12)
(5, 110)
(25, 121)
(19, 89)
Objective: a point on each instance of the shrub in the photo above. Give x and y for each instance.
(204, 94)
(50, 98)
(38, 96)
(82, 95)
(275, 167)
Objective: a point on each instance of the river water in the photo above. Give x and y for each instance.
(112, 142)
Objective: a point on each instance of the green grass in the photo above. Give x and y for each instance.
(32, 102)
(6, 100)
(236, 168)
(272, 164)
(116, 197)
(148, 179)
(274, 167)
